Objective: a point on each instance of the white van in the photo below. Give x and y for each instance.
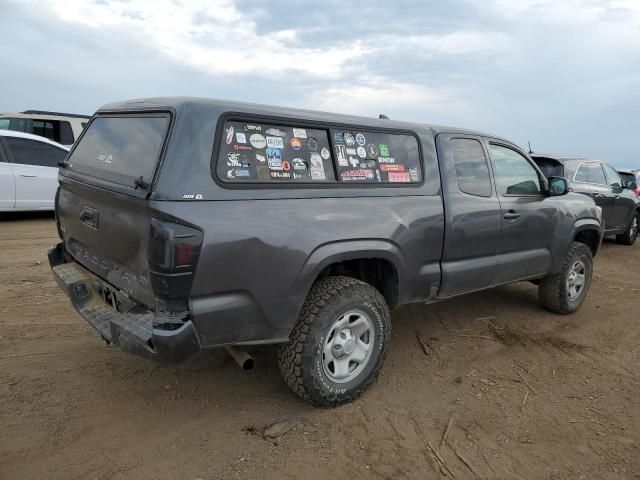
(63, 128)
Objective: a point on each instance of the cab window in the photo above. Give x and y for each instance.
(514, 174)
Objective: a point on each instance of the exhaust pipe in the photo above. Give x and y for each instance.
(242, 358)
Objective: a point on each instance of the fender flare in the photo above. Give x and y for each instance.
(588, 224)
(340, 251)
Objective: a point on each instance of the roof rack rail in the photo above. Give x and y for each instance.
(44, 112)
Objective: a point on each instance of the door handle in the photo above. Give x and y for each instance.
(28, 176)
(598, 195)
(511, 215)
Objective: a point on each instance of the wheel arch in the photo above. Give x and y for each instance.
(375, 261)
(588, 232)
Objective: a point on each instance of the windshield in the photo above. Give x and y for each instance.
(120, 149)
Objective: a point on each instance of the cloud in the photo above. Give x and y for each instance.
(562, 74)
(210, 35)
(218, 38)
(379, 95)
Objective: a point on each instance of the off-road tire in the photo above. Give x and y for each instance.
(553, 292)
(300, 359)
(629, 237)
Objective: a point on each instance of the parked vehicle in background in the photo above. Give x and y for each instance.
(631, 176)
(600, 181)
(28, 171)
(63, 128)
(189, 224)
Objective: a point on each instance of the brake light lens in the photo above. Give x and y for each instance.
(173, 255)
(183, 254)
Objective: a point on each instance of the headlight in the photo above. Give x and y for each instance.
(599, 213)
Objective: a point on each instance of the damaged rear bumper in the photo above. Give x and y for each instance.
(132, 330)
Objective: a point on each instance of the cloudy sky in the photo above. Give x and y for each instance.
(563, 74)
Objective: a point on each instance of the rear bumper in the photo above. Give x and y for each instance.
(133, 331)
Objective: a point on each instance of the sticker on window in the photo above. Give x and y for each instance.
(258, 152)
(363, 156)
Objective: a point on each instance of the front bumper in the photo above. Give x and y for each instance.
(133, 331)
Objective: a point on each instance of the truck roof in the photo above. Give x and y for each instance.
(220, 106)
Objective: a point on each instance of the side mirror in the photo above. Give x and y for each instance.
(558, 186)
(630, 185)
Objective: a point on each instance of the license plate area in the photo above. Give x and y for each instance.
(110, 296)
(117, 300)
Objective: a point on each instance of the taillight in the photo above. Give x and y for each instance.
(173, 255)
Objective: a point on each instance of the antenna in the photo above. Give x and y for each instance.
(383, 116)
(530, 151)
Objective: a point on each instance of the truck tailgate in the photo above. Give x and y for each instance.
(107, 232)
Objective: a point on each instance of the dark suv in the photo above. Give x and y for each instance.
(188, 224)
(600, 181)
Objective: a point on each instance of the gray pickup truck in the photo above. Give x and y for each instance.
(188, 224)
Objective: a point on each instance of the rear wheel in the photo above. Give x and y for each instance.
(339, 343)
(566, 291)
(629, 237)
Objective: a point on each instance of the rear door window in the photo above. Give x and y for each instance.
(56, 130)
(273, 153)
(596, 175)
(120, 149)
(43, 128)
(15, 124)
(582, 174)
(31, 152)
(471, 167)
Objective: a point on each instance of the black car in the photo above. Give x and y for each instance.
(190, 224)
(599, 180)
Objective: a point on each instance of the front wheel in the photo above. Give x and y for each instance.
(629, 237)
(566, 291)
(339, 343)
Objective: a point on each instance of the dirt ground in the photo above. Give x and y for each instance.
(531, 395)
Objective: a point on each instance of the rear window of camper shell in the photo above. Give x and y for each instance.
(272, 153)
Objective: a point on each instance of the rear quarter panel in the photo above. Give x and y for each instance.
(260, 257)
